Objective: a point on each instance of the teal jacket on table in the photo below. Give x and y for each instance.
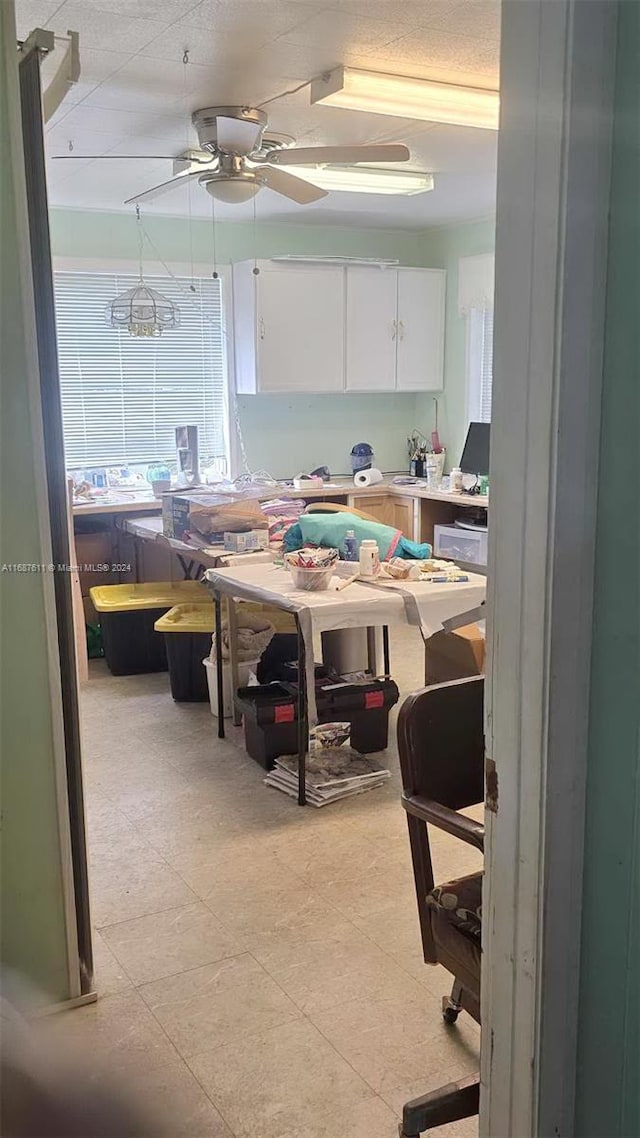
(330, 530)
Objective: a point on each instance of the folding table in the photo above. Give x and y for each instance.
(423, 604)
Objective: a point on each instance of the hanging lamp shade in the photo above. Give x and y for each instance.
(142, 311)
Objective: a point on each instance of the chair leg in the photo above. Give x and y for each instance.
(447, 1104)
(452, 1005)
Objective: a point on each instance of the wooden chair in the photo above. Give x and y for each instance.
(441, 747)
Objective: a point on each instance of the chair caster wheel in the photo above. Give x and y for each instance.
(450, 1012)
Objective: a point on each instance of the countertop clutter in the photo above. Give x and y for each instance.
(115, 503)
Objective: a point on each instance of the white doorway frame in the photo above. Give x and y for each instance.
(558, 61)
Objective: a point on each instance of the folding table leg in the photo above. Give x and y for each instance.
(372, 660)
(233, 658)
(385, 651)
(303, 718)
(217, 600)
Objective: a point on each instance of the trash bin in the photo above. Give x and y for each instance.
(245, 669)
(255, 631)
(127, 617)
(187, 633)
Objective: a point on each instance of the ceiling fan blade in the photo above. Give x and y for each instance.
(295, 188)
(156, 191)
(104, 157)
(342, 155)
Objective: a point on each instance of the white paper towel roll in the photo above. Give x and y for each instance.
(368, 477)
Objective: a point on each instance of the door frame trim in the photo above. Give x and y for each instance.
(25, 285)
(554, 163)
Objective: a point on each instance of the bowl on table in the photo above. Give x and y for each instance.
(312, 570)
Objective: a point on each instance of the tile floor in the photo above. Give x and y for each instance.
(258, 964)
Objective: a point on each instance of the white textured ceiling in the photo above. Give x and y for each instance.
(135, 96)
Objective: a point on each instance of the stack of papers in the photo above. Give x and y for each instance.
(332, 773)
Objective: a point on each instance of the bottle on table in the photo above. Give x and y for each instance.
(350, 546)
(369, 558)
(455, 480)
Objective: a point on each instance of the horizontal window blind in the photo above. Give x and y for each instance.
(480, 364)
(123, 396)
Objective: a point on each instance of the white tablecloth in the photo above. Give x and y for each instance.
(418, 603)
(429, 605)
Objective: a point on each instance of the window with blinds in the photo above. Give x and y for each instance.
(123, 397)
(480, 364)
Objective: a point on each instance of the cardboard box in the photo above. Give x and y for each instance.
(201, 515)
(454, 655)
(94, 551)
(247, 542)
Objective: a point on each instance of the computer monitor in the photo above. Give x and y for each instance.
(475, 456)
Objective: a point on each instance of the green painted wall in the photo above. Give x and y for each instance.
(442, 249)
(78, 233)
(608, 1082)
(33, 939)
(282, 433)
(285, 434)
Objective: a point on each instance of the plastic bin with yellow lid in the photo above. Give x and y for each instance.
(127, 614)
(201, 617)
(188, 618)
(150, 595)
(187, 631)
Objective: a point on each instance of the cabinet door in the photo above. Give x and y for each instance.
(403, 516)
(300, 325)
(421, 295)
(371, 329)
(378, 506)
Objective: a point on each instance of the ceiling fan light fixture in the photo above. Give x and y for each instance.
(231, 188)
(365, 179)
(406, 97)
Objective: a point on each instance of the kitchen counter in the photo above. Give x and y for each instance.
(337, 488)
(101, 535)
(116, 504)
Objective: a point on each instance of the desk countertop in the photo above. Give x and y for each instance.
(340, 487)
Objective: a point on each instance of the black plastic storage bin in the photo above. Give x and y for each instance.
(127, 616)
(271, 715)
(130, 644)
(187, 675)
(276, 656)
(279, 661)
(187, 631)
(366, 707)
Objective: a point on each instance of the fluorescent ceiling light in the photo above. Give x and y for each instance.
(364, 179)
(407, 98)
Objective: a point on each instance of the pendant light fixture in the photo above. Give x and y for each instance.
(142, 310)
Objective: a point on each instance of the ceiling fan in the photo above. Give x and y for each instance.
(237, 159)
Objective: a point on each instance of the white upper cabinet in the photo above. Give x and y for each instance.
(289, 328)
(371, 328)
(420, 340)
(313, 327)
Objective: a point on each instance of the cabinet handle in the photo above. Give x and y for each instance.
(401, 326)
(395, 329)
(261, 328)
